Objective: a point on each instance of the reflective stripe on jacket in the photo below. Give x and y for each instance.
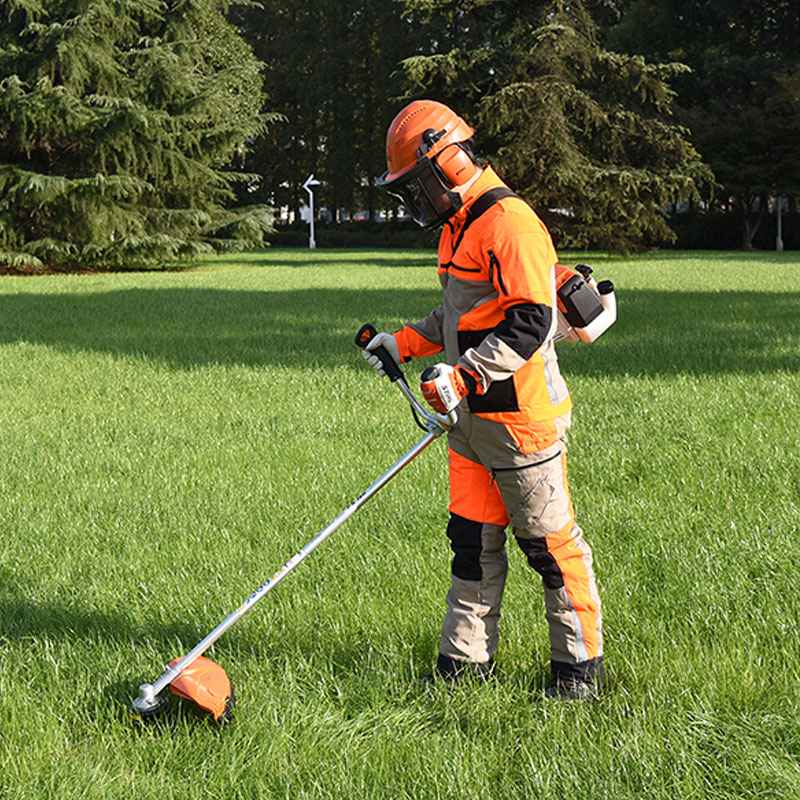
(497, 316)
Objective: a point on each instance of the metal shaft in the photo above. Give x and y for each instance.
(173, 672)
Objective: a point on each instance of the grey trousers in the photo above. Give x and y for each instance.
(494, 484)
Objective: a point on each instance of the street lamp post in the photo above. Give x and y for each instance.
(311, 181)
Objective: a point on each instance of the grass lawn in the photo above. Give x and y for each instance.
(170, 439)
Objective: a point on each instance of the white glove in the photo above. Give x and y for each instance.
(390, 343)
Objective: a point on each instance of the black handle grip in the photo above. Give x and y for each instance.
(605, 287)
(365, 335)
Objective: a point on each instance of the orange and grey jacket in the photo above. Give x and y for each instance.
(497, 316)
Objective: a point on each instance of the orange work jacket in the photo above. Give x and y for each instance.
(497, 316)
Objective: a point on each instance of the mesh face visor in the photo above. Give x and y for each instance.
(423, 193)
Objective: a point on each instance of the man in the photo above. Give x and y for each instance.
(507, 454)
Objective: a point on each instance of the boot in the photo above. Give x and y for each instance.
(454, 672)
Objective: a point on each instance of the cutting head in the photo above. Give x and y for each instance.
(147, 707)
(203, 683)
(207, 685)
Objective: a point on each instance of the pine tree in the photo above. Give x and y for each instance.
(331, 68)
(119, 126)
(583, 133)
(737, 99)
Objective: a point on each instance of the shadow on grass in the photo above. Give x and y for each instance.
(657, 333)
(23, 618)
(51, 622)
(344, 668)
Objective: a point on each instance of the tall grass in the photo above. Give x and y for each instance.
(168, 440)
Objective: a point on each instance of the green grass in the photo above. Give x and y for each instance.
(168, 440)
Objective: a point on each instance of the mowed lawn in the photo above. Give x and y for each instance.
(167, 440)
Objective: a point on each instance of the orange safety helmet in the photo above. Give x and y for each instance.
(428, 155)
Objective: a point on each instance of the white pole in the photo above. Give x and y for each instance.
(311, 241)
(311, 181)
(779, 212)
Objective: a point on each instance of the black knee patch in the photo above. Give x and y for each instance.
(466, 543)
(542, 561)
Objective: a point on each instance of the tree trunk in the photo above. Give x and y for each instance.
(751, 219)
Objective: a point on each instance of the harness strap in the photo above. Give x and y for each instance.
(482, 204)
(486, 201)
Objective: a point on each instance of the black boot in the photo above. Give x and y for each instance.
(453, 672)
(568, 687)
(584, 681)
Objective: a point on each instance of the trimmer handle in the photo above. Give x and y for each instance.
(365, 335)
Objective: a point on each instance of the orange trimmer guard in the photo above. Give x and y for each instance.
(206, 684)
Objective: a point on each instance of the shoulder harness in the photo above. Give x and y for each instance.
(481, 205)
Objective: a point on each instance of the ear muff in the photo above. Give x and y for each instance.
(456, 165)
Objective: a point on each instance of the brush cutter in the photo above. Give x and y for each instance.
(205, 683)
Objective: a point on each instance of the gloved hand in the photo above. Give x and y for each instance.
(389, 342)
(443, 387)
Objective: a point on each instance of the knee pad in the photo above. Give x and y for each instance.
(466, 543)
(542, 561)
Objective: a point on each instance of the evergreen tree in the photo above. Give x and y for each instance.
(738, 98)
(333, 74)
(119, 122)
(570, 125)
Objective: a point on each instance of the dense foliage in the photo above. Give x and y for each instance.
(136, 133)
(741, 96)
(118, 125)
(333, 71)
(571, 125)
